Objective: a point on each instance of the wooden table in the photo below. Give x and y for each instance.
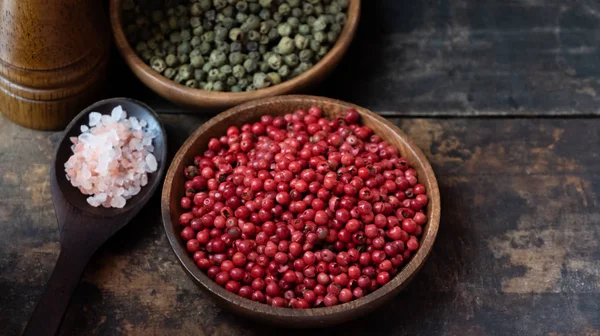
(501, 97)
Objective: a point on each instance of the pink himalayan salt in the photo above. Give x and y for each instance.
(111, 158)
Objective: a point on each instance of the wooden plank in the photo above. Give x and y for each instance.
(517, 252)
(460, 58)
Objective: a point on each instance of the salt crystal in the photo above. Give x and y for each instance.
(117, 202)
(94, 118)
(151, 162)
(118, 113)
(111, 158)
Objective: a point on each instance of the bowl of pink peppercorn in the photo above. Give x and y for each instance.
(300, 211)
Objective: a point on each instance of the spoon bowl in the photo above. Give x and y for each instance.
(84, 228)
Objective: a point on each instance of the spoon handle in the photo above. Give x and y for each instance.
(48, 313)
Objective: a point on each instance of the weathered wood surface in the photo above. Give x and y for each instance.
(464, 57)
(518, 251)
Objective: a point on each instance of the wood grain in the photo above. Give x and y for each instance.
(173, 190)
(53, 58)
(516, 253)
(84, 228)
(203, 101)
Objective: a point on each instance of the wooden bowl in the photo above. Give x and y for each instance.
(173, 190)
(211, 101)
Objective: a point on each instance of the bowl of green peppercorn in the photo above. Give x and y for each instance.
(213, 54)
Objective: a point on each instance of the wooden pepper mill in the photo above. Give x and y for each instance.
(53, 58)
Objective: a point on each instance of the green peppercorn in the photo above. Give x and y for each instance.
(197, 61)
(159, 53)
(265, 26)
(318, 9)
(235, 34)
(217, 58)
(314, 45)
(264, 14)
(158, 64)
(319, 25)
(222, 77)
(284, 9)
(209, 36)
(204, 4)
(183, 22)
(228, 23)
(172, 49)
(310, 21)
(226, 69)
(207, 67)
(141, 46)
(152, 44)
(284, 29)
(252, 46)
(198, 31)
(254, 55)
(291, 60)
(264, 39)
(265, 3)
(305, 55)
(243, 82)
(273, 35)
(304, 29)
(297, 13)
(259, 80)
(253, 35)
(169, 73)
(343, 3)
(335, 27)
(340, 18)
(204, 48)
(241, 6)
(285, 45)
(323, 50)
(301, 68)
(218, 86)
(235, 47)
(300, 42)
(164, 27)
(175, 37)
(171, 10)
(165, 44)
(228, 12)
(196, 41)
(264, 67)
(195, 22)
(250, 87)
(208, 86)
(235, 58)
(293, 22)
(274, 78)
(250, 65)
(251, 23)
(274, 61)
(192, 83)
(171, 60)
(181, 10)
(231, 81)
(332, 37)
(184, 48)
(183, 59)
(254, 8)
(238, 71)
(219, 4)
(283, 71)
(308, 9)
(277, 17)
(334, 8)
(199, 74)
(236, 88)
(241, 17)
(173, 22)
(185, 71)
(212, 75)
(319, 36)
(220, 33)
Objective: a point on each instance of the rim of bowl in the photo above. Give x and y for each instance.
(158, 82)
(393, 286)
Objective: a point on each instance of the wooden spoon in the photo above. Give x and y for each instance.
(84, 228)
